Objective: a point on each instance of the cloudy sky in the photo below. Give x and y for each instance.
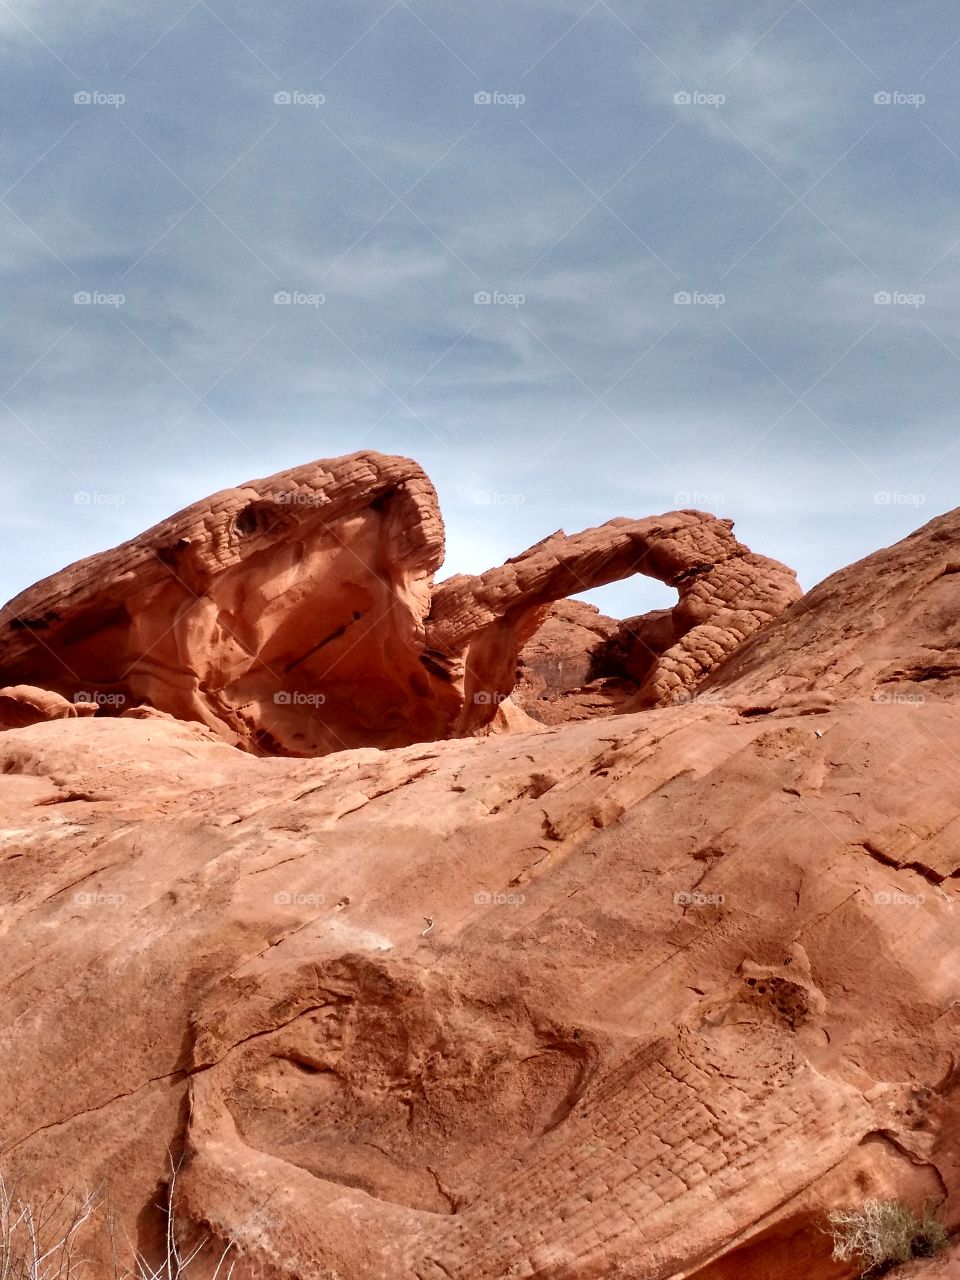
(587, 165)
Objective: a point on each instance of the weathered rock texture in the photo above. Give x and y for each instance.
(559, 677)
(296, 615)
(286, 614)
(639, 997)
(691, 980)
(888, 626)
(478, 626)
(23, 704)
(580, 664)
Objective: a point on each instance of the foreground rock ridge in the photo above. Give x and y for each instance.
(641, 996)
(297, 615)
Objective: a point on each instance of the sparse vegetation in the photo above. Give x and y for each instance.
(41, 1242)
(882, 1233)
(44, 1242)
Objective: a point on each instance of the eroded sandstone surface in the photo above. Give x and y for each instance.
(886, 627)
(642, 996)
(297, 615)
(691, 980)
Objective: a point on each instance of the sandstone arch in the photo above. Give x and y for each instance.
(296, 614)
(726, 593)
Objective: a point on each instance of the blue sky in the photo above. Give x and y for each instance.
(781, 164)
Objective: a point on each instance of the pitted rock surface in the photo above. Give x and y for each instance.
(642, 996)
(297, 615)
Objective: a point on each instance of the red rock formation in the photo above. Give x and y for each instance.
(23, 704)
(296, 615)
(558, 679)
(286, 614)
(887, 627)
(643, 996)
(476, 1009)
(478, 626)
(580, 664)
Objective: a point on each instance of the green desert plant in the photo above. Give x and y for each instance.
(882, 1233)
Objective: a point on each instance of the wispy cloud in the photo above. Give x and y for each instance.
(494, 284)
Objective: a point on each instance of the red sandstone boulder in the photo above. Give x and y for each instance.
(24, 704)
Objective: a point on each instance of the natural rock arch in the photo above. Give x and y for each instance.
(479, 624)
(296, 615)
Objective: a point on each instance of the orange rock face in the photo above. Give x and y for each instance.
(887, 627)
(650, 994)
(297, 615)
(287, 614)
(642, 996)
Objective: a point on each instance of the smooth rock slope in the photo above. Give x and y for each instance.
(641, 996)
